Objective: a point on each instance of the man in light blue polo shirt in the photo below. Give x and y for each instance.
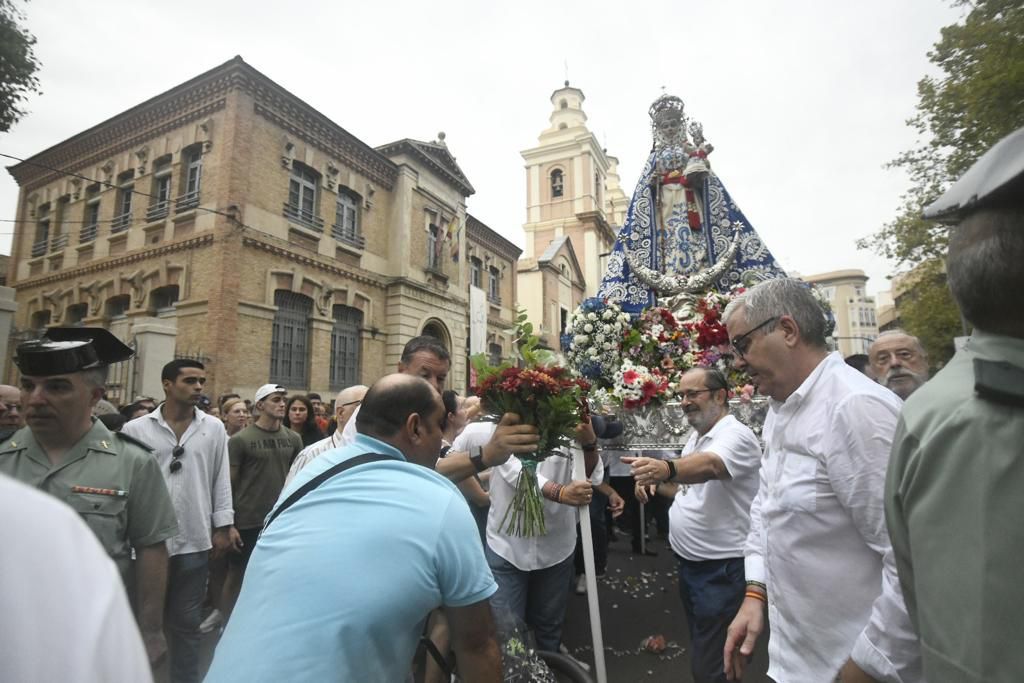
(341, 582)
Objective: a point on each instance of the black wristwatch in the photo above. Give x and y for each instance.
(476, 456)
(671, 470)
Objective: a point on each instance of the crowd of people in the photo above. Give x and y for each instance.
(874, 526)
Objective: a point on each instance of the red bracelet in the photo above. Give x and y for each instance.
(757, 596)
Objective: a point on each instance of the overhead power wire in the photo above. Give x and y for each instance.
(108, 185)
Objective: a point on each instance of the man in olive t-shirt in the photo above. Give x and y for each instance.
(261, 455)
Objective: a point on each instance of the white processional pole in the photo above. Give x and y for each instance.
(579, 473)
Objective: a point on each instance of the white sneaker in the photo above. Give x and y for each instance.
(581, 585)
(211, 622)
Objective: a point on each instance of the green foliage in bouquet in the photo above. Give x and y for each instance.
(542, 394)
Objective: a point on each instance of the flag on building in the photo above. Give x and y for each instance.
(454, 230)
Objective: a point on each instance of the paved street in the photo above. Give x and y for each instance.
(640, 597)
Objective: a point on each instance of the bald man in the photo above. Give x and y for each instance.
(344, 406)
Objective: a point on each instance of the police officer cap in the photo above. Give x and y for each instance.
(63, 350)
(996, 179)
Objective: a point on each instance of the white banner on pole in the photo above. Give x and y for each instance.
(477, 321)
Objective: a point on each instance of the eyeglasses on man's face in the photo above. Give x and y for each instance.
(176, 458)
(692, 394)
(741, 343)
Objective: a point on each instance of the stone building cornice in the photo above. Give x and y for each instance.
(287, 111)
(116, 262)
(278, 247)
(599, 219)
(193, 100)
(479, 233)
(435, 157)
(424, 293)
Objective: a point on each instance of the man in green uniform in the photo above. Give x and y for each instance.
(954, 502)
(111, 480)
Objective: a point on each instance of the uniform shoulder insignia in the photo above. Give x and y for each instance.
(132, 440)
(999, 381)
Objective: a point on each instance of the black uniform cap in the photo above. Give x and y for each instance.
(63, 350)
(996, 179)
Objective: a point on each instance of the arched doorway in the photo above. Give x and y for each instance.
(437, 329)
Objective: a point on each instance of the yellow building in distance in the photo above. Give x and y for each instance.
(574, 209)
(854, 310)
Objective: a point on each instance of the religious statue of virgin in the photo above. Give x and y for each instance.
(683, 234)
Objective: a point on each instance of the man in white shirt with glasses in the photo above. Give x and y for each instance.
(818, 541)
(710, 515)
(191, 447)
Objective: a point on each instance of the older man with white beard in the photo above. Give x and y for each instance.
(899, 362)
(710, 516)
(345, 406)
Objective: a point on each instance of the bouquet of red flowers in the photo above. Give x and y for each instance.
(542, 394)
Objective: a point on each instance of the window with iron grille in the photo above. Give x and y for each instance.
(58, 236)
(161, 193)
(302, 200)
(476, 272)
(117, 306)
(123, 215)
(345, 347)
(75, 314)
(193, 162)
(289, 344)
(493, 285)
(40, 321)
(91, 217)
(163, 298)
(41, 242)
(346, 226)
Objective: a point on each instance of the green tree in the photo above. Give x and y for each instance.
(928, 311)
(18, 65)
(977, 100)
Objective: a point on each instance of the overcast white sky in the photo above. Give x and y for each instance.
(804, 101)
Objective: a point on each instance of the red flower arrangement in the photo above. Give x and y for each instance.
(544, 395)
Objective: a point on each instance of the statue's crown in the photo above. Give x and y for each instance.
(667, 108)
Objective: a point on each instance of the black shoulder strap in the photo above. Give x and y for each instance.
(321, 478)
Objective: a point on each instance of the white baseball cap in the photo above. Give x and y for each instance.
(268, 389)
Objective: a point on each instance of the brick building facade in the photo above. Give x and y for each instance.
(248, 228)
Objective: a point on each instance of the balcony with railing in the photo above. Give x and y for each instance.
(306, 219)
(58, 242)
(39, 247)
(158, 211)
(189, 200)
(348, 235)
(120, 223)
(88, 233)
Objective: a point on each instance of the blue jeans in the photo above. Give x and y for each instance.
(712, 592)
(537, 598)
(186, 589)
